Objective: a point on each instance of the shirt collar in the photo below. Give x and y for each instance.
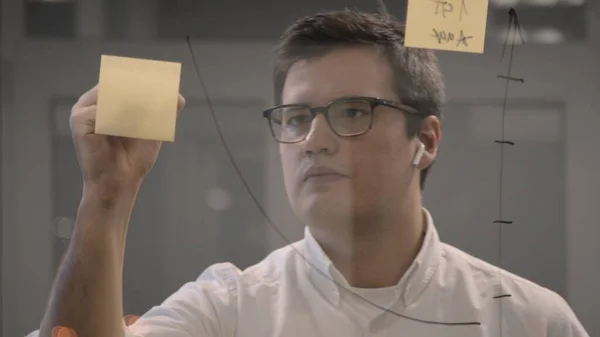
(411, 285)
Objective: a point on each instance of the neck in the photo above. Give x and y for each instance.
(376, 254)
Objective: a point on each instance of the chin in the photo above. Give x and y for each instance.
(327, 211)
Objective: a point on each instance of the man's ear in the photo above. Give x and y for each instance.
(430, 136)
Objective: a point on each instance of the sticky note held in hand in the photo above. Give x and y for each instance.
(137, 98)
(453, 25)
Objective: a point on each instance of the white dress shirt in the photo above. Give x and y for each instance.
(285, 296)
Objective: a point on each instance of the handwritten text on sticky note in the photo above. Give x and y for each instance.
(454, 25)
(137, 98)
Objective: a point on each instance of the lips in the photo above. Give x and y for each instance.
(320, 171)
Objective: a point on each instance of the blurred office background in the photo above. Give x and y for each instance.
(193, 210)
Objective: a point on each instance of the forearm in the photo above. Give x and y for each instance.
(87, 293)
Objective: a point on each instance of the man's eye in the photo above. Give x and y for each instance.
(353, 113)
(297, 120)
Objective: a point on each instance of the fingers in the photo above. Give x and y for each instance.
(180, 103)
(89, 98)
(83, 114)
(83, 120)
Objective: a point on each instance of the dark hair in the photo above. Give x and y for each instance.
(417, 79)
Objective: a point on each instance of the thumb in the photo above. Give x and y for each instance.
(180, 103)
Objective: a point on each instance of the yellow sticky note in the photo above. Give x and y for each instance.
(454, 25)
(137, 98)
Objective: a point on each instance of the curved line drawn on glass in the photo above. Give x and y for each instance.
(513, 26)
(276, 228)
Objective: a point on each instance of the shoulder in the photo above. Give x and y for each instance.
(212, 304)
(528, 307)
(268, 272)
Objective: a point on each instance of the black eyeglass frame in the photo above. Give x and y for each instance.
(324, 110)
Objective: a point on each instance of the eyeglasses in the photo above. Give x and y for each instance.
(347, 117)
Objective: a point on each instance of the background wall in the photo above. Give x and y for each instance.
(193, 210)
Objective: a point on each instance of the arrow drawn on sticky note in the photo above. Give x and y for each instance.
(453, 25)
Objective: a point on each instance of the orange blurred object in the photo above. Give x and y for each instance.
(61, 331)
(130, 319)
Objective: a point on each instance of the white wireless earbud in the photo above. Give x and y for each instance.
(419, 155)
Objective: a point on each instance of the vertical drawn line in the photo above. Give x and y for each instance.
(513, 27)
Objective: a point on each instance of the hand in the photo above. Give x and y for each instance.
(110, 164)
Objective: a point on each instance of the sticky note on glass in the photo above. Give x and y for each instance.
(137, 98)
(453, 25)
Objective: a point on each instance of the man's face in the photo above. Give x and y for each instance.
(375, 171)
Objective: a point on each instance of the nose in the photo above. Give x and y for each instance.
(320, 139)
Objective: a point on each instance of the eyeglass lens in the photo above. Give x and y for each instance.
(346, 118)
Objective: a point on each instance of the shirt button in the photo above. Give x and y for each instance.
(336, 295)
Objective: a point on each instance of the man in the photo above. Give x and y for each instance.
(357, 119)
